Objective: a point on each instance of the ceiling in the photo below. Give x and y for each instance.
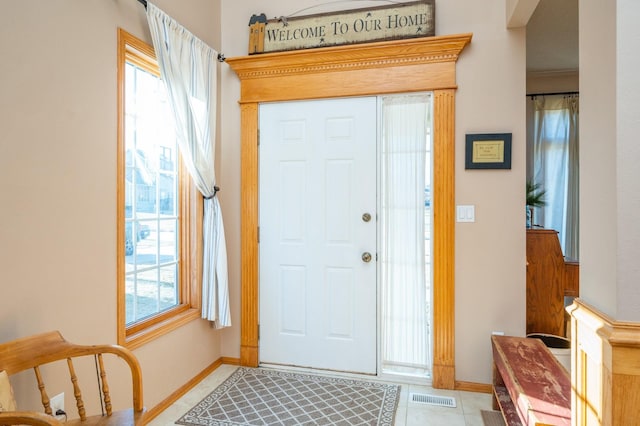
(552, 37)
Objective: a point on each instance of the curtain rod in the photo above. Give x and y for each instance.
(543, 94)
(221, 57)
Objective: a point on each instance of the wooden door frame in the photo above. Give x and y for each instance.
(370, 69)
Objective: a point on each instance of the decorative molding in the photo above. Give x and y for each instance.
(249, 236)
(396, 66)
(399, 66)
(357, 56)
(444, 239)
(343, 66)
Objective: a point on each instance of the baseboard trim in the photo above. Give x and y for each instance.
(474, 387)
(230, 361)
(178, 393)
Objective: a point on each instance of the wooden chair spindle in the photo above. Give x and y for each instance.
(76, 391)
(46, 403)
(105, 386)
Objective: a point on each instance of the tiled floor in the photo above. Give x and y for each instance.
(466, 412)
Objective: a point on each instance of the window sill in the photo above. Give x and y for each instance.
(160, 329)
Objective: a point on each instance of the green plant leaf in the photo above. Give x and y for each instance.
(535, 195)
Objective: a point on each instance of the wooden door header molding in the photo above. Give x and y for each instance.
(419, 64)
(377, 54)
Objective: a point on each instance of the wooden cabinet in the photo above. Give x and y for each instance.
(549, 279)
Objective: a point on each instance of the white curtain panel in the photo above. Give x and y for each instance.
(405, 338)
(572, 219)
(188, 68)
(556, 167)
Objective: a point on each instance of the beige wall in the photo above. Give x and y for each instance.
(609, 155)
(490, 253)
(58, 180)
(598, 200)
(627, 129)
(552, 82)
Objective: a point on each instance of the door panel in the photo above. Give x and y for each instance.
(317, 179)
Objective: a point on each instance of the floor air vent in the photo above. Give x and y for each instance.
(423, 398)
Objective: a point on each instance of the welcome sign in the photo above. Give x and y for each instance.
(402, 20)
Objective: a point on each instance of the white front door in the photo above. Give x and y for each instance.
(317, 179)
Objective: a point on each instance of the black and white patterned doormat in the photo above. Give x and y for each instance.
(255, 396)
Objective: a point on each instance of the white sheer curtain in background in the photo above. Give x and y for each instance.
(188, 68)
(554, 164)
(405, 173)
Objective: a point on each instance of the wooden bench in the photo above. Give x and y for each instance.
(530, 386)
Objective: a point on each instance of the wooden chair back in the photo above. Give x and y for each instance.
(35, 351)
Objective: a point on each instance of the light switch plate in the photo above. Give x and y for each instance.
(466, 213)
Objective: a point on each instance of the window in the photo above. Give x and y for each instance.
(154, 204)
(405, 234)
(554, 165)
